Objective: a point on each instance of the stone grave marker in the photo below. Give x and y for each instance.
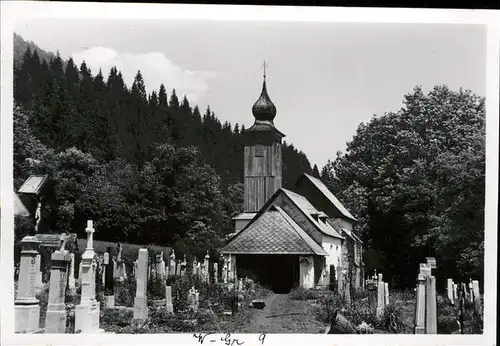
(449, 290)
(87, 313)
(380, 296)
(71, 274)
(224, 272)
(121, 269)
(109, 290)
(178, 270)
(216, 272)
(420, 305)
(55, 321)
(38, 277)
(168, 296)
(172, 263)
(26, 306)
(160, 266)
(431, 309)
(183, 266)
(386, 292)
(477, 299)
(140, 301)
(206, 275)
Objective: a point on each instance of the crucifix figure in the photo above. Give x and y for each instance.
(38, 216)
(264, 67)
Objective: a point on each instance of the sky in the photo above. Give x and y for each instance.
(324, 78)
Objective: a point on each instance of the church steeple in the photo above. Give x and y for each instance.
(264, 109)
(262, 154)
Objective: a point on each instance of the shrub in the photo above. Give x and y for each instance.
(359, 294)
(115, 317)
(125, 292)
(392, 319)
(301, 293)
(215, 297)
(327, 307)
(156, 289)
(359, 313)
(180, 290)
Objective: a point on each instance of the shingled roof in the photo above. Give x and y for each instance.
(273, 232)
(308, 210)
(329, 195)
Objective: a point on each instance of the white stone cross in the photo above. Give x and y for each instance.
(90, 235)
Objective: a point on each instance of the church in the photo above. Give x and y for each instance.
(286, 239)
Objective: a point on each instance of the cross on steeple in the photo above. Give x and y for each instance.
(264, 67)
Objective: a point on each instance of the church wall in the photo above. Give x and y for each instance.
(333, 246)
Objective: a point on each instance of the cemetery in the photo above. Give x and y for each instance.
(138, 233)
(161, 293)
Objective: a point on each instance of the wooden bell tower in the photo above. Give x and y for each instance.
(262, 154)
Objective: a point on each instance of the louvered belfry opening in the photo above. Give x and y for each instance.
(277, 272)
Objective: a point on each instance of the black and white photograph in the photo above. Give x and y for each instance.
(248, 180)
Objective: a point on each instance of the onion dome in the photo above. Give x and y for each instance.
(264, 109)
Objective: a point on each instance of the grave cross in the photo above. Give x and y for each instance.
(90, 235)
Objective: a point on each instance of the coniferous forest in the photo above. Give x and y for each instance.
(148, 168)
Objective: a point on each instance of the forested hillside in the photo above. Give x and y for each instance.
(148, 168)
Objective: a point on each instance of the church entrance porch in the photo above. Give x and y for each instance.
(280, 273)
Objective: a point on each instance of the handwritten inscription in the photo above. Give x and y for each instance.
(226, 339)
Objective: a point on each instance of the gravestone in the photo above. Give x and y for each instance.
(206, 276)
(380, 296)
(198, 270)
(224, 273)
(168, 296)
(160, 266)
(121, 270)
(109, 290)
(431, 309)
(230, 273)
(26, 306)
(183, 266)
(178, 270)
(38, 277)
(216, 272)
(195, 264)
(55, 321)
(87, 313)
(71, 274)
(80, 270)
(449, 290)
(477, 299)
(386, 292)
(371, 286)
(420, 305)
(172, 263)
(140, 301)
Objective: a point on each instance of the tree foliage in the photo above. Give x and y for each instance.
(147, 168)
(415, 179)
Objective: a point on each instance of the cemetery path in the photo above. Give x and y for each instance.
(284, 315)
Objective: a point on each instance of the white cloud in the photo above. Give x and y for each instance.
(155, 67)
